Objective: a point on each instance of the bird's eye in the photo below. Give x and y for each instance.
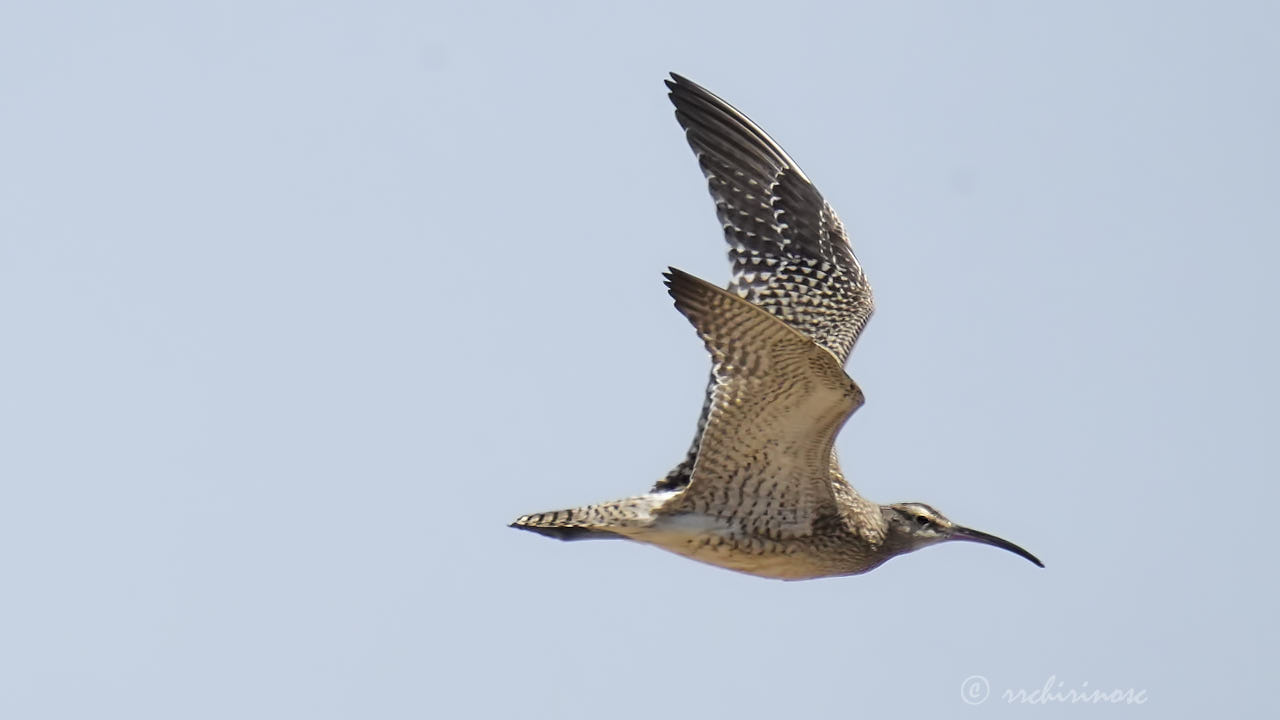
(922, 521)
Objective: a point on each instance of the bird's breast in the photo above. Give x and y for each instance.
(718, 542)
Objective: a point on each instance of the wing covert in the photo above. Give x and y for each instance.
(788, 249)
(777, 403)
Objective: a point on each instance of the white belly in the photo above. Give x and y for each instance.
(715, 542)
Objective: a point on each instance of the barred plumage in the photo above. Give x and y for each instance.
(788, 249)
(760, 490)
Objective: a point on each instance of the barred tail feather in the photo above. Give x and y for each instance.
(592, 522)
(534, 523)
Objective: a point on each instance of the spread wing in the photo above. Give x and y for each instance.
(789, 251)
(778, 400)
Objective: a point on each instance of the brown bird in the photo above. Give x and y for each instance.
(760, 490)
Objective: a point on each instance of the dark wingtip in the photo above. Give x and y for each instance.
(671, 276)
(681, 85)
(679, 284)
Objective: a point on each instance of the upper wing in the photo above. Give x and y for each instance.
(777, 402)
(789, 250)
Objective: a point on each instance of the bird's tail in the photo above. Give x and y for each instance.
(613, 519)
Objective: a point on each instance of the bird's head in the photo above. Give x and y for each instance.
(915, 525)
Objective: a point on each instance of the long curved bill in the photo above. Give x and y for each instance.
(971, 535)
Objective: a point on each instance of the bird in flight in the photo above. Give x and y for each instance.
(760, 490)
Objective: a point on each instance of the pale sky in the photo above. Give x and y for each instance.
(302, 303)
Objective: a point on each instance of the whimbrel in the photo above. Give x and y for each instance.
(760, 490)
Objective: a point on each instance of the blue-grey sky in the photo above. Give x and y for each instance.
(301, 303)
